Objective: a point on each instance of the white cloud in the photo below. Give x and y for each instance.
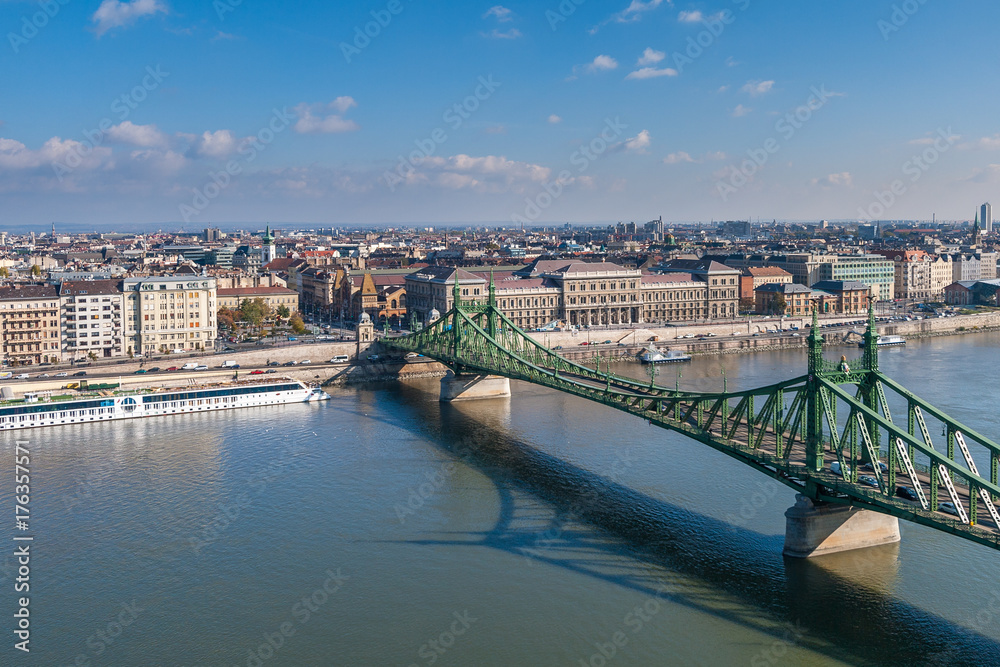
(137, 135)
(500, 13)
(677, 158)
(690, 17)
(989, 143)
(311, 118)
(630, 14)
(16, 156)
(554, 119)
(114, 14)
(218, 144)
(602, 63)
(651, 73)
(638, 143)
(682, 157)
(732, 62)
(741, 111)
(496, 129)
(489, 173)
(844, 179)
(755, 88)
(513, 33)
(650, 57)
(722, 89)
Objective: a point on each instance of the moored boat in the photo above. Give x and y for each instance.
(41, 409)
(653, 356)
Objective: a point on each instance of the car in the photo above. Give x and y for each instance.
(172, 368)
(835, 469)
(43, 375)
(21, 376)
(154, 369)
(306, 361)
(607, 342)
(292, 338)
(290, 363)
(80, 374)
(883, 467)
(557, 347)
(411, 355)
(141, 371)
(948, 508)
(584, 343)
(257, 372)
(372, 357)
(64, 374)
(202, 367)
(907, 492)
(868, 480)
(270, 370)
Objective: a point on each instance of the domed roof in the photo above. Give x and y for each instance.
(434, 314)
(365, 318)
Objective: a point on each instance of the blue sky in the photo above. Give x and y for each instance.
(201, 113)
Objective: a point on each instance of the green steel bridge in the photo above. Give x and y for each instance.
(818, 433)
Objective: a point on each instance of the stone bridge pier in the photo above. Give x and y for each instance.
(467, 387)
(816, 530)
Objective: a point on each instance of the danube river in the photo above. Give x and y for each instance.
(385, 528)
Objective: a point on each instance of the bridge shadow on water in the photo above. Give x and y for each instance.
(560, 515)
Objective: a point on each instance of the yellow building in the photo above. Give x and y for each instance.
(29, 321)
(273, 297)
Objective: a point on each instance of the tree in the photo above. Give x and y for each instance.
(283, 312)
(92, 355)
(746, 304)
(254, 311)
(778, 304)
(298, 326)
(4, 272)
(36, 270)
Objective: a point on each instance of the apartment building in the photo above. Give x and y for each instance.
(92, 319)
(169, 313)
(29, 322)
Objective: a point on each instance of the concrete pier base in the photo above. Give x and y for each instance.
(470, 387)
(812, 530)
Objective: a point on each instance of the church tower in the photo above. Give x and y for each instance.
(268, 252)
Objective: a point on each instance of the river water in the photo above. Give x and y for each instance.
(385, 528)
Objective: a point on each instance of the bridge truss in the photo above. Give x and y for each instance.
(844, 433)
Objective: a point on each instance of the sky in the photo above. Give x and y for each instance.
(195, 114)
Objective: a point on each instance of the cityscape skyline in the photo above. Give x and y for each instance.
(185, 113)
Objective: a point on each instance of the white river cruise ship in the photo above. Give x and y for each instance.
(38, 409)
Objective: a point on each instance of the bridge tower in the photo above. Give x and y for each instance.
(458, 386)
(814, 528)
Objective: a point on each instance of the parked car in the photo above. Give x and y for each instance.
(306, 361)
(172, 368)
(80, 374)
(257, 372)
(203, 367)
(907, 492)
(290, 363)
(273, 363)
(270, 370)
(154, 369)
(64, 374)
(141, 371)
(43, 375)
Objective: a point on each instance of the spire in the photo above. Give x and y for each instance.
(456, 292)
(871, 339)
(493, 290)
(815, 341)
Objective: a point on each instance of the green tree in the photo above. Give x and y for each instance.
(778, 304)
(4, 272)
(254, 312)
(283, 312)
(298, 326)
(36, 270)
(92, 356)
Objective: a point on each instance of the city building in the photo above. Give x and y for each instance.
(267, 250)
(274, 297)
(29, 321)
(852, 297)
(431, 288)
(93, 319)
(973, 293)
(168, 313)
(792, 300)
(753, 277)
(986, 215)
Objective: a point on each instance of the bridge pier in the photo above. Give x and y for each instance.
(816, 530)
(470, 387)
